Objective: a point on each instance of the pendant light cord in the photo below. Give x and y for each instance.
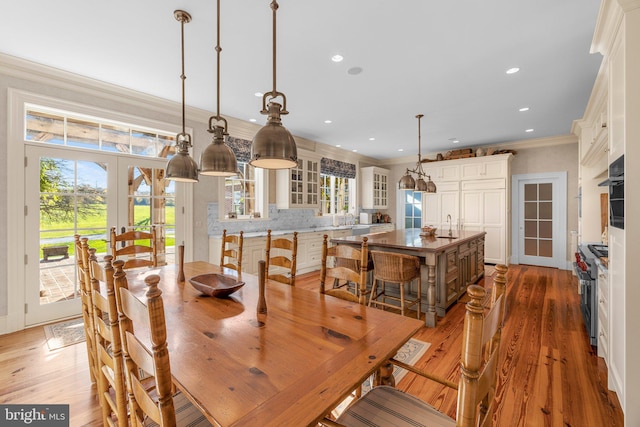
(218, 50)
(274, 8)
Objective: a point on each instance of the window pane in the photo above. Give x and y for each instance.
(143, 143)
(115, 139)
(81, 133)
(43, 127)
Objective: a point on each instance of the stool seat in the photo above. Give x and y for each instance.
(400, 269)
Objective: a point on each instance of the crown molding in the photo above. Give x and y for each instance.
(607, 25)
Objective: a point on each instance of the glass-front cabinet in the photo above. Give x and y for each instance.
(375, 188)
(299, 187)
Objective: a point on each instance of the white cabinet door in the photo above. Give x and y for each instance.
(374, 188)
(485, 210)
(299, 187)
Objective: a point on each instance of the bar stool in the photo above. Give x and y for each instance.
(389, 267)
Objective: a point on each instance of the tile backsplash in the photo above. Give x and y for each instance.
(279, 219)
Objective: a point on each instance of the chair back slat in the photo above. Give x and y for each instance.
(84, 277)
(231, 251)
(344, 267)
(110, 383)
(133, 247)
(284, 258)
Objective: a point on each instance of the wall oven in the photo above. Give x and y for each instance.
(587, 272)
(616, 193)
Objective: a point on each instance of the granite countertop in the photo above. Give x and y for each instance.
(410, 239)
(305, 230)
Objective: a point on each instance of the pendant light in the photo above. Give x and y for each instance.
(181, 167)
(218, 159)
(273, 147)
(408, 183)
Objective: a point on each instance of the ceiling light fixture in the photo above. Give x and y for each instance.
(273, 147)
(337, 58)
(408, 183)
(513, 70)
(218, 159)
(523, 109)
(529, 130)
(181, 167)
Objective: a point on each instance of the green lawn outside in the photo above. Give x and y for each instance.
(95, 225)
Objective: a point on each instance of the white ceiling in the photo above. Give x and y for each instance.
(445, 59)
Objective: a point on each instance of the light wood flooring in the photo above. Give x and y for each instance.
(549, 374)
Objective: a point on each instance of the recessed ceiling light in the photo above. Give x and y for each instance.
(513, 70)
(372, 139)
(355, 151)
(259, 94)
(529, 130)
(524, 109)
(454, 140)
(337, 58)
(354, 70)
(252, 120)
(400, 149)
(338, 145)
(327, 121)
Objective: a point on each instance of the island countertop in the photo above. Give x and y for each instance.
(410, 239)
(447, 265)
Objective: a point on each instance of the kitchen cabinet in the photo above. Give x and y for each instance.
(603, 314)
(478, 199)
(442, 171)
(484, 208)
(374, 184)
(299, 187)
(438, 205)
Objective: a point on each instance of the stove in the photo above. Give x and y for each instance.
(587, 271)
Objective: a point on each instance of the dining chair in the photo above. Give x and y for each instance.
(110, 382)
(400, 269)
(128, 246)
(385, 405)
(231, 251)
(151, 393)
(281, 253)
(344, 265)
(84, 277)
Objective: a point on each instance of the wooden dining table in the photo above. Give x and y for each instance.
(288, 367)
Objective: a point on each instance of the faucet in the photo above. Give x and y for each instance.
(449, 221)
(349, 219)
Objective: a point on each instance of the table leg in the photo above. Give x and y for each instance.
(384, 375)
(430, 317)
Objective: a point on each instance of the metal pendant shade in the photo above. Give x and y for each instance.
(218, 159)
(181, 167)
(273, 147)
(407, 182)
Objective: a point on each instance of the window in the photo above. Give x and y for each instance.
(336, 194)
(240, 192)
(61, 128)
(412, 209)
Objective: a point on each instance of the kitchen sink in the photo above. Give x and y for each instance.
(360, 229)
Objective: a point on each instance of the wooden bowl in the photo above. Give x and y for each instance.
(215, 284)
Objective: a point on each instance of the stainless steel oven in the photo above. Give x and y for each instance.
(616, 192)
(587, 272)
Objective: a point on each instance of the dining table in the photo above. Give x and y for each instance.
(288, 367)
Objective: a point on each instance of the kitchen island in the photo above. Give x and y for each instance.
(449, 263)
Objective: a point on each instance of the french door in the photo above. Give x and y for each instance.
(540, 206)
(72, 192)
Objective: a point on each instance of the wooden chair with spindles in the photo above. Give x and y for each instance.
(110, 382)
(148, 354)
(281, 253)
(342, 265)
(231, 251)
(385, 405)
(128, 246)
(84, 277)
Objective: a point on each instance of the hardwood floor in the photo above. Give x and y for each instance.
(549, 374)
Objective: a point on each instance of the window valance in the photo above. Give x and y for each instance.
(240, 147)
(337, 168)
